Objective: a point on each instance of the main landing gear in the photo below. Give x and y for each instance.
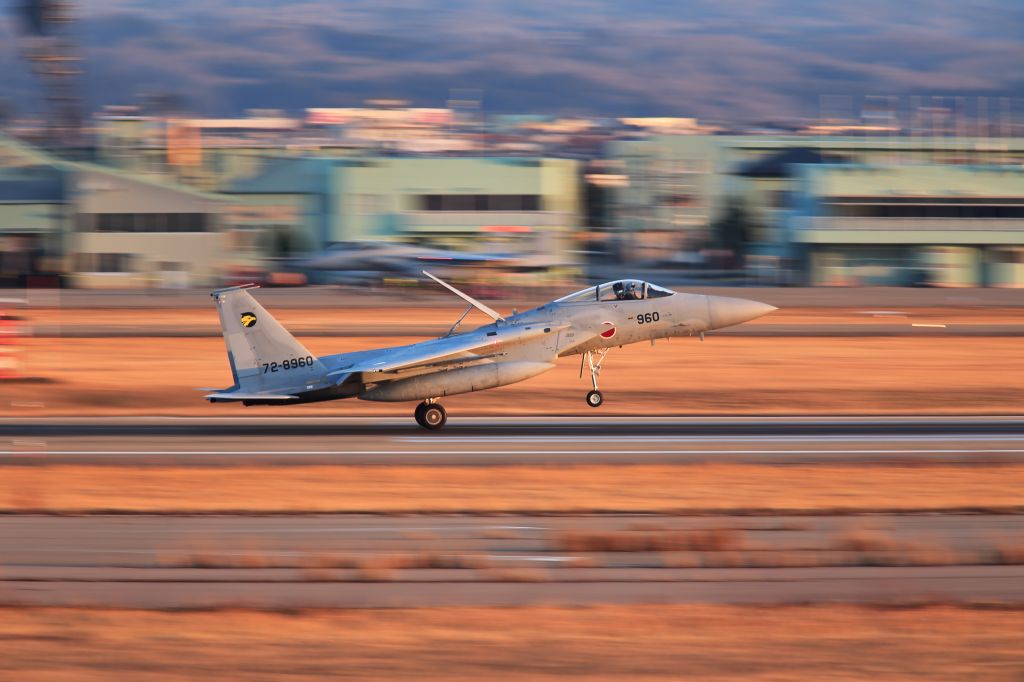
(431, 415)
(594, 398)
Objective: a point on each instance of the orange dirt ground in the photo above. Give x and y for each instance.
(510, 489)
(157, 376)
(601, 643)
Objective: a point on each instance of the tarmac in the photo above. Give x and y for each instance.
(339, 560)
(483, 441)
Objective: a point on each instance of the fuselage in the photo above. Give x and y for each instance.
(528, 343)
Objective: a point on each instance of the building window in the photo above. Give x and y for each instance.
(112, 262)
(887, 208)
(1008, 256)
(509, 203)
(149, 222)
(459, 202)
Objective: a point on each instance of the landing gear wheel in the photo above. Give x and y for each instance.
(594, 398)
(431, 416)
(419, 413)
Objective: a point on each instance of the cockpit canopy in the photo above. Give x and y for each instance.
(621, 290)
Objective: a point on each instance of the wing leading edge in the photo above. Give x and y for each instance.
(445, 351)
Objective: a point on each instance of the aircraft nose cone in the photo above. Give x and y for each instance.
(725, 312)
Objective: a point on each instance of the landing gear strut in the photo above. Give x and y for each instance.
(431, 415)
(595, 397)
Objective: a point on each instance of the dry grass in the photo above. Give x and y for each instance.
(376, 574)
(642, 643)
(319, 575)
(425, 560)
(873, 547)
(705, 540)
(510, 489)
(1009, 553)
(920, 556)
(327, 560)
(861, 539)
(516, 574)
(323, 563)
(205, 553)
(682, 376)
(592, 550)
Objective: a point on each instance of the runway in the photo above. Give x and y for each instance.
(171, 560)
(356, 561)
(472, 441)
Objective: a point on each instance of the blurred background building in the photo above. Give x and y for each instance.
(168, 203)
(82, 224)
(873, 190)
(763, 201)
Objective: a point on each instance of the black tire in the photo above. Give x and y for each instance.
(418, 414)
(433, 417)
(595, 399)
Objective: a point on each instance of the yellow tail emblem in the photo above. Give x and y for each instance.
(248, 319)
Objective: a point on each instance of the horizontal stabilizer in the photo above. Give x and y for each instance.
(238, 395)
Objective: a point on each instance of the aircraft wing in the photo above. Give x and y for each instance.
(465, 348)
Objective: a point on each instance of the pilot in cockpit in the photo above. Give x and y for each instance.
(627, 291)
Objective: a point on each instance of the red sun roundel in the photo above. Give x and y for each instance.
(609, 332)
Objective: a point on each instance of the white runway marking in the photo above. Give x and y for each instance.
(916, 451)
(527, 420)
(966, 438)
(384, 528)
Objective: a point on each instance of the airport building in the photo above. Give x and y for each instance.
(673, 189)
(522, 205)
(92, 226)
(667, 192)
(135, 231)
(856, 224)
(128, 226)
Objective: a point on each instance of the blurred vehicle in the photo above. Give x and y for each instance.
(354, 262)
(12, 331)
(271, 367)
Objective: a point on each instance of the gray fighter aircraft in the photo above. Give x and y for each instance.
(367, 261)
(271, 367)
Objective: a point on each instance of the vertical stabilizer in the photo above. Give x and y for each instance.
(264, 357)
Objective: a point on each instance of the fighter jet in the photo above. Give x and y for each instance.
(352, 262)
(271, 367)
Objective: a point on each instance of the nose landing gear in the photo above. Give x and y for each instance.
(594, 398)
(431, 415)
